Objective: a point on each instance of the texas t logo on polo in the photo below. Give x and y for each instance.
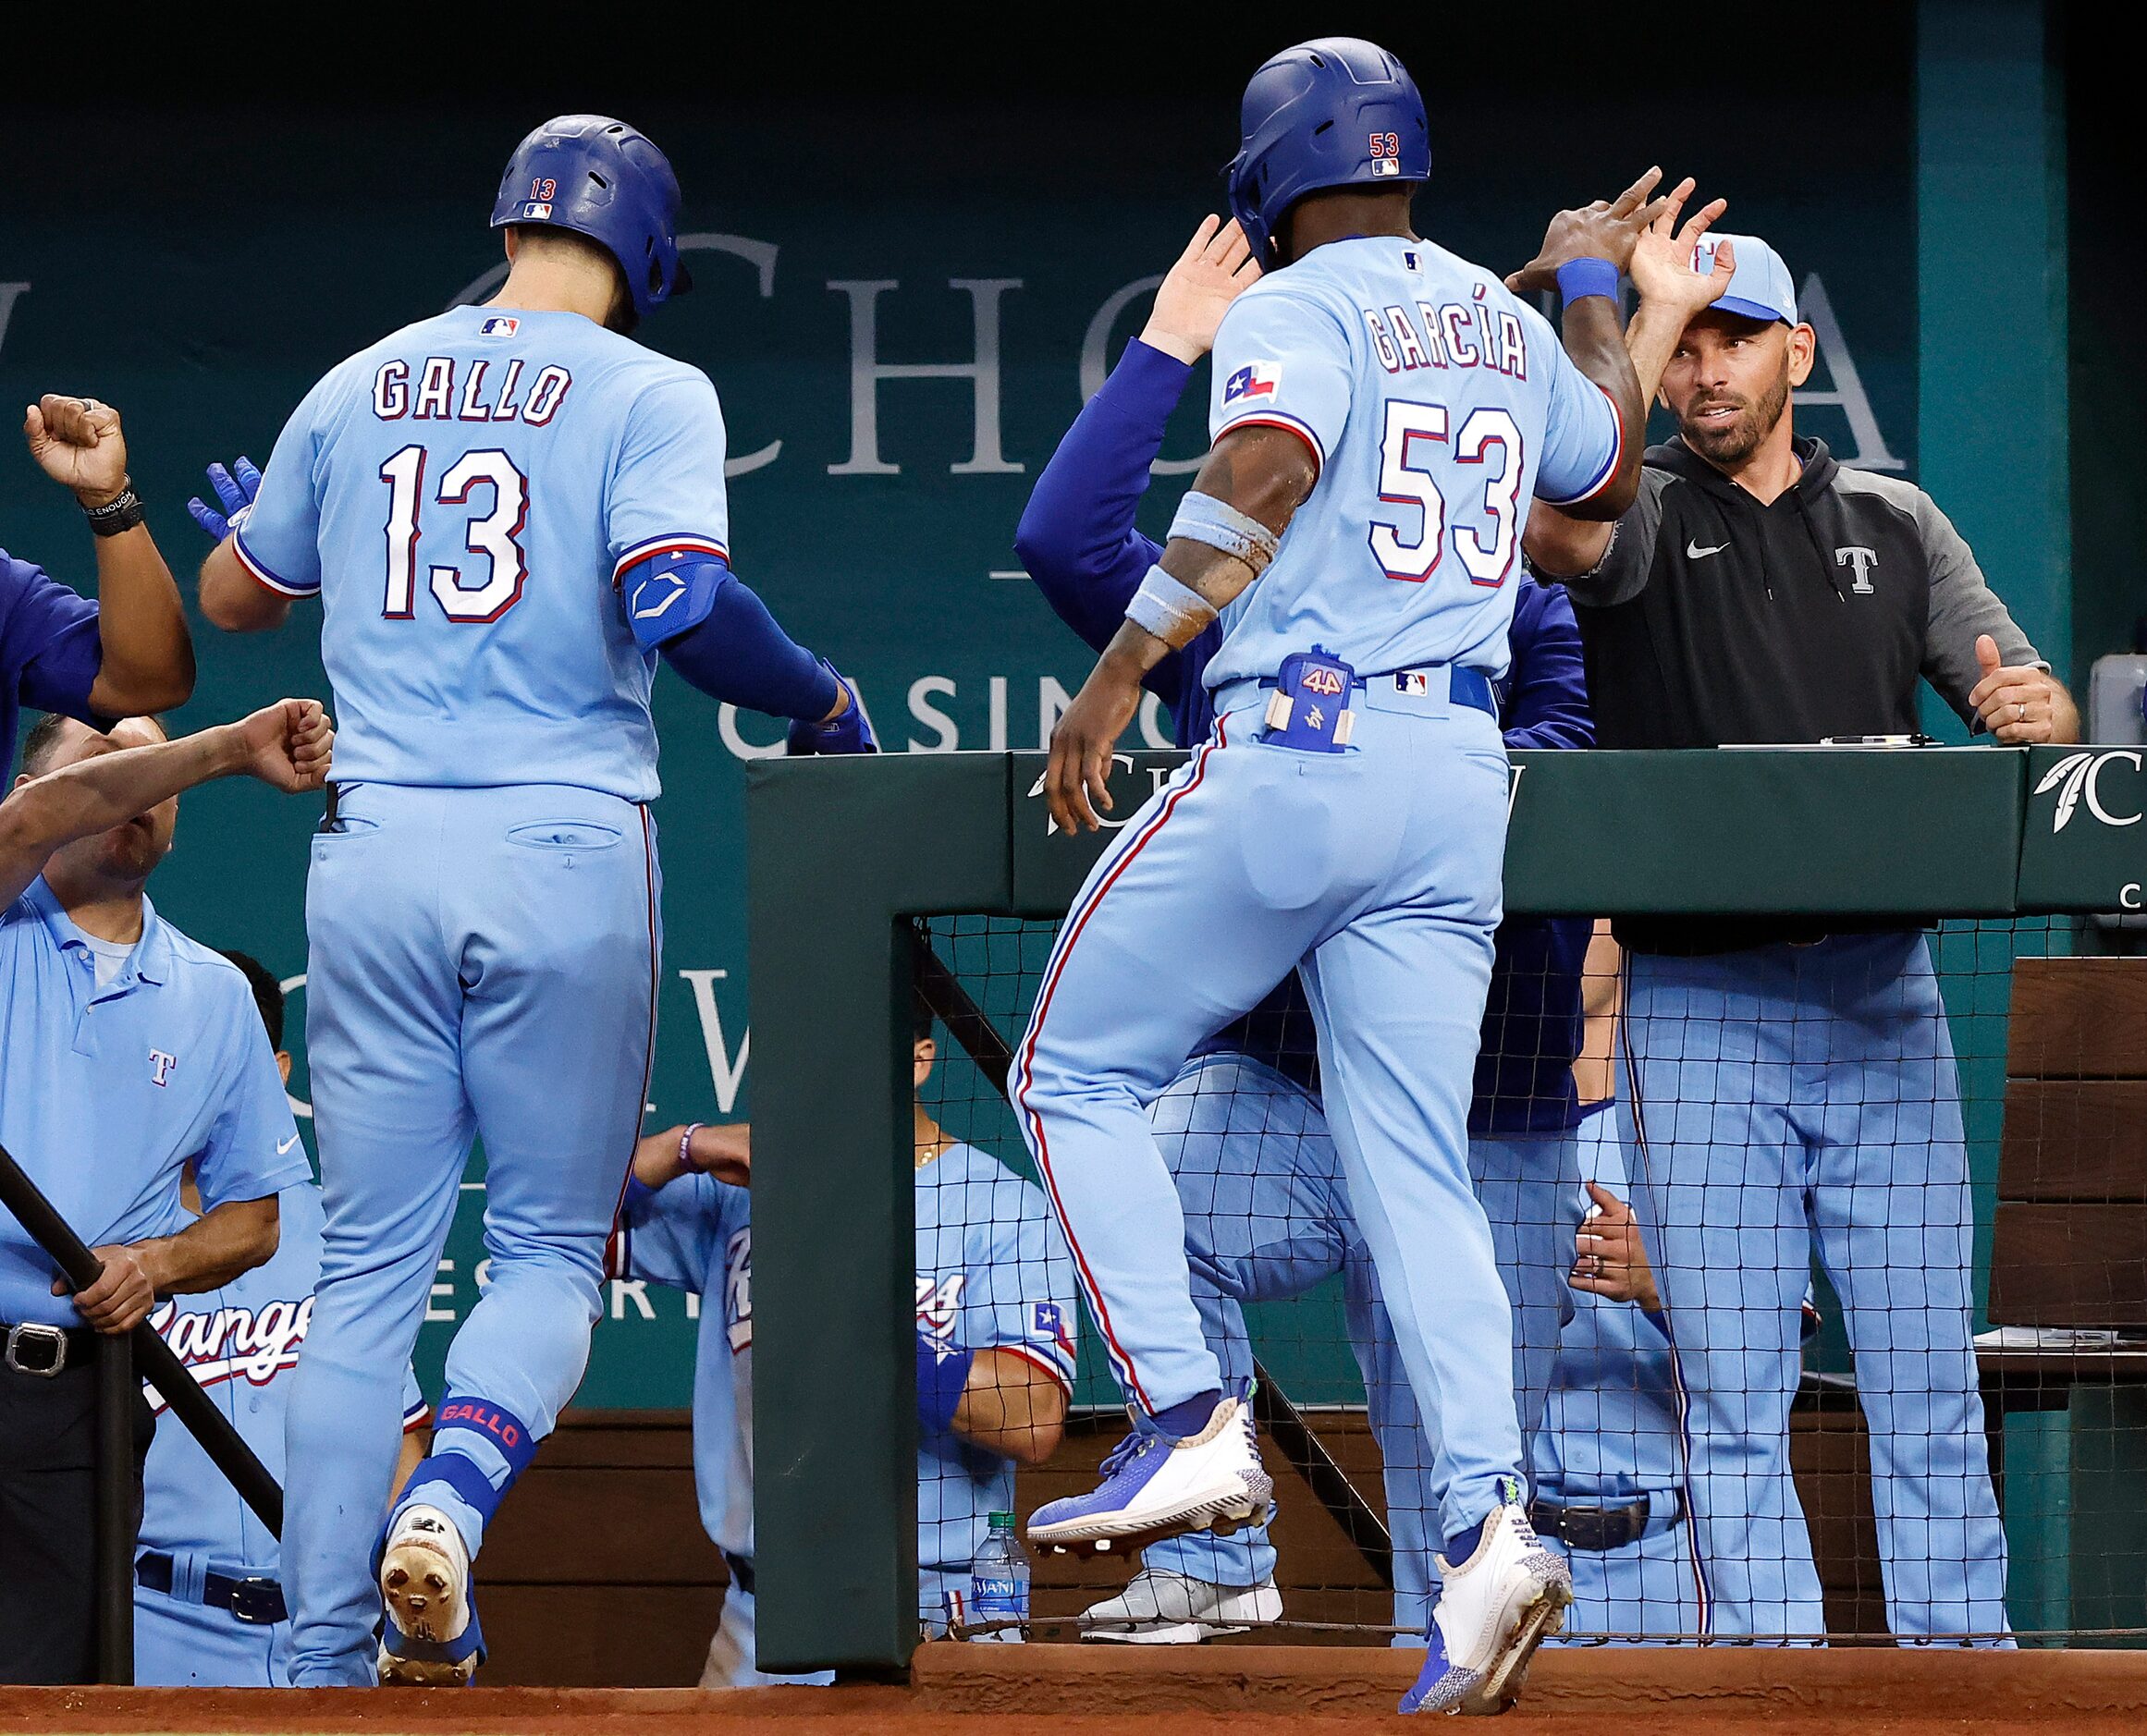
(160, 1066)
(1863, 560)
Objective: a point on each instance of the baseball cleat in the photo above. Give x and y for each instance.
(430, 1638)
(1163, 1608)
(1494, 1611)
(1156, 1487)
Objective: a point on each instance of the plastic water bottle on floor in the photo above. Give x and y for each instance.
(999, 1582)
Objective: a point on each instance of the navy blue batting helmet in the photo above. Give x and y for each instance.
(601, 178)
(1330, 113)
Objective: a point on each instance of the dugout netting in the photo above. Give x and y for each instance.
(1884, 1372)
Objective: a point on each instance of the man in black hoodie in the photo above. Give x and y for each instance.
(1791, 1083)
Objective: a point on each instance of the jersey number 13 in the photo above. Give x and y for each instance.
(489, 583)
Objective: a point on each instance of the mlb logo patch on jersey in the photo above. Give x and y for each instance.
(499, 326)
(1256, 379)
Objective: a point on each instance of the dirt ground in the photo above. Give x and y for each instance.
(956, 1690)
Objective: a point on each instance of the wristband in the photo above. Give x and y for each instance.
(1204, 519)
(942, 1373)
(1579, 278)
(1174, 612)
(119, 514)
(686, 1148)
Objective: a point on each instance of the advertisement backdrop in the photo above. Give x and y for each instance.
(901, 308)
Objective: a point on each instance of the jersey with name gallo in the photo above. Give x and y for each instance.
(462, 497)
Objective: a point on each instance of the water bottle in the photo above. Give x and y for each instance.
(2116, 707)
(999, 1582)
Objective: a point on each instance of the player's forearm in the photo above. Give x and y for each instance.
(1597, 344)
(1076, 538)
(233, 599)
(738, 653)
(93, 795)
(1650, 340)
(1012, 1407)
(147, 661)
(216, 1247)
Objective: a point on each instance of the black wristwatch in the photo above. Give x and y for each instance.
(122, 513)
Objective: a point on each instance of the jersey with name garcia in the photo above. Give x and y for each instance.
(462, 496)
(1436, 404)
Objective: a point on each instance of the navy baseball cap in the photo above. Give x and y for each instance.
(1761, 288)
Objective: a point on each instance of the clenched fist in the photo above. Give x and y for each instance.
(290, 744)
(77, 441)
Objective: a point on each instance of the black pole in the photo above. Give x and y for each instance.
(117, 1394)
(153, 1357)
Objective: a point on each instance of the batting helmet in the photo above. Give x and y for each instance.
(601, 178)
(1330, 113)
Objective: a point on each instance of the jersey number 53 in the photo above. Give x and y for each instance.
(1406, 453)
(487, 586)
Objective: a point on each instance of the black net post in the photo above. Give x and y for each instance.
(117, 1394)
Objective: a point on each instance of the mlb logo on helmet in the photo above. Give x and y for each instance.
(1386, 154)
(1256, 379)
(537, 211)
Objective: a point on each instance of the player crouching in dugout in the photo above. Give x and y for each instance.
(995, 1348)
(1789, 1083)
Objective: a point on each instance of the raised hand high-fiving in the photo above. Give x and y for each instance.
(235, 488)
(1607, 228)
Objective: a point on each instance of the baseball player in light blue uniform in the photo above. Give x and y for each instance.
(1267, 1216)
(208, 1609)
(1606, 1460)
(993, 1276)
(508, 512)
(1392, 407)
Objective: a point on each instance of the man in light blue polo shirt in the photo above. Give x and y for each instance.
(126, 1051)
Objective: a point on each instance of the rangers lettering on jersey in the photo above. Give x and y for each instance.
(232, 1343)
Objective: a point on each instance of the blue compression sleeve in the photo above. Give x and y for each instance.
(737, 653)
(1547, 705)
(943, 1373)
(1076, 536)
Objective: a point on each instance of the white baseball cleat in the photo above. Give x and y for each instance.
(430, 1638)
(1163, 1608)
(1493, 1610)
(1155, 1487)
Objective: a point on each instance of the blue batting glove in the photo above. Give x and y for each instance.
(235, 488)
(848, 734)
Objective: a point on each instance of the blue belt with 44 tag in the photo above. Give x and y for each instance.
(1308, 704)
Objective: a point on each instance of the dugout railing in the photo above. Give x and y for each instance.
(2033, 851)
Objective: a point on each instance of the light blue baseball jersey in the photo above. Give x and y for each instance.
(107, 1092)
(695, 1235)
(993, 1273)
(462, 497)
(242, 1342)
(1437, 405)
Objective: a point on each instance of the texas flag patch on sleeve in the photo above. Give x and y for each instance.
(1254, 381)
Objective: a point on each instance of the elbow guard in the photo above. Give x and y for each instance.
(671, 593)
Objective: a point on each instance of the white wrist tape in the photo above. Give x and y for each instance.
(1175, 613)
(1203, 518)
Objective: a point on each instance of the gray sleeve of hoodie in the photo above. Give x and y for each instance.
(1621, 573)
(1963, 605)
